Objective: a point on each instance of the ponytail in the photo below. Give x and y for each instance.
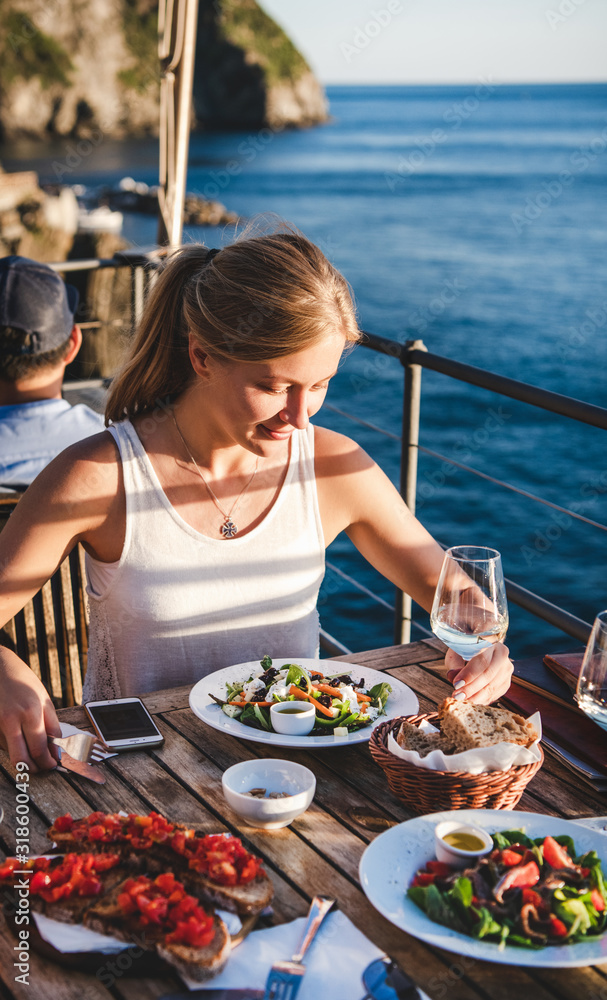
(253, 301)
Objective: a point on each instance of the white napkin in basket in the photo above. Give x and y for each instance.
(500, 757)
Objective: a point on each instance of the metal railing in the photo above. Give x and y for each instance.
(413, 356)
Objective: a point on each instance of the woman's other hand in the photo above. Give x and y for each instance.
(27, 715)
(482, 679)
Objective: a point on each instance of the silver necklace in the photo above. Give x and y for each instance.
(228, 529)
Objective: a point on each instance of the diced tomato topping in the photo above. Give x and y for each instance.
(439, 868)
(165, 903)
(64, 823)
(510, 858)
(424, 878)
(90, 886)
(101, 862)
(141, 820)
(166, 882)
(8, 867)
(597, 900)
(155, 910)
(556, 855)
(195, 932)
(41, 880)
(557, 927)
(224, 860)
(126, 903)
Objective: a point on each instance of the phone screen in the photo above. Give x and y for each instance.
(123, 722)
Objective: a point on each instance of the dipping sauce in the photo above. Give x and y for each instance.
(463, 841)
(294, 710)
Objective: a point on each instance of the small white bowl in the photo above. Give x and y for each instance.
(292, 718)
(455, 856)
(275, 776)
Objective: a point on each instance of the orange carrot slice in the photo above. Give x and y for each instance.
(302, 696)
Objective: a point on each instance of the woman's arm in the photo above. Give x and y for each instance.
(71, 500)
(357, 497)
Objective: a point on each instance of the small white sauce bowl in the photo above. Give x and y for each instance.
(455, 856)
(275, 776)
(291, 723)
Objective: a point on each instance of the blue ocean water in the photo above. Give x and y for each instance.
(473, 218)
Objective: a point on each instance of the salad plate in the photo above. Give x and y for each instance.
(402, 701)
(390, 862)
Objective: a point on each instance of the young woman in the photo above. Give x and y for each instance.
(206, 507)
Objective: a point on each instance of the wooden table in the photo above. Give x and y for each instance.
(320, 851)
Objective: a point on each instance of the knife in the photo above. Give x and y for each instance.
(79, 767)
(215, 995)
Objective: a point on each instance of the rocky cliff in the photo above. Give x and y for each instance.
(85, 67)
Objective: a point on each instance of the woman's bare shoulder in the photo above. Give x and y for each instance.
(86, 475)
(332, 447)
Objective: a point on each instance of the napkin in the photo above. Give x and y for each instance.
(76, 938)
(500, 757)
(335, 962)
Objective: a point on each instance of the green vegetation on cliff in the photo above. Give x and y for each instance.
(26, 52)
(246, 25)
(141, 36)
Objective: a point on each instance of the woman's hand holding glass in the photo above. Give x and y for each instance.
(470, 615)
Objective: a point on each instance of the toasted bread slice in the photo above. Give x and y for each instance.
(468, 726)
(198, 963)
(246, 898)
(251, 898)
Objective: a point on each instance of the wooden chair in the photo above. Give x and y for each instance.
(51, 632)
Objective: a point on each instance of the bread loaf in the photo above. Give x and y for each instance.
(468, 726)
(409, 737)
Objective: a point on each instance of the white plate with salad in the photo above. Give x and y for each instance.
(391, 862)
(210, 700)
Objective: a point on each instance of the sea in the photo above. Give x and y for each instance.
(470, 217)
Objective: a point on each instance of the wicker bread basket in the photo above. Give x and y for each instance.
(425, 791)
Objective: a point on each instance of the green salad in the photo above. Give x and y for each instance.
(529, 893)
(342, 703)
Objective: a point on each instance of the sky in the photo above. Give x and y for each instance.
(448, 41)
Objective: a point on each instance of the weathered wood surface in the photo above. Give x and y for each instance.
(321, 850)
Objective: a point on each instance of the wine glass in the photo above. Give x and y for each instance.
(591, 692)
(470, 611)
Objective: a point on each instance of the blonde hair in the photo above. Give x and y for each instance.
(255, 300)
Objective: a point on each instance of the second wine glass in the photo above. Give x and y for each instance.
(591, 693)
(470, 610)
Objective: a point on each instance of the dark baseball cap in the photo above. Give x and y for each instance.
(35, 299)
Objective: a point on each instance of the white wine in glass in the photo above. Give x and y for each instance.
(470, 610)
(591, 693)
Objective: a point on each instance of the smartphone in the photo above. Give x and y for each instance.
(124, 724)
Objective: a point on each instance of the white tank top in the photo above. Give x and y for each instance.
(179, 605)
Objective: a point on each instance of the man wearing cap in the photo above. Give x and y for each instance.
(38, 339)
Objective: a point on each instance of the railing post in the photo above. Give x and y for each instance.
(137, 295)
(408, 468)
